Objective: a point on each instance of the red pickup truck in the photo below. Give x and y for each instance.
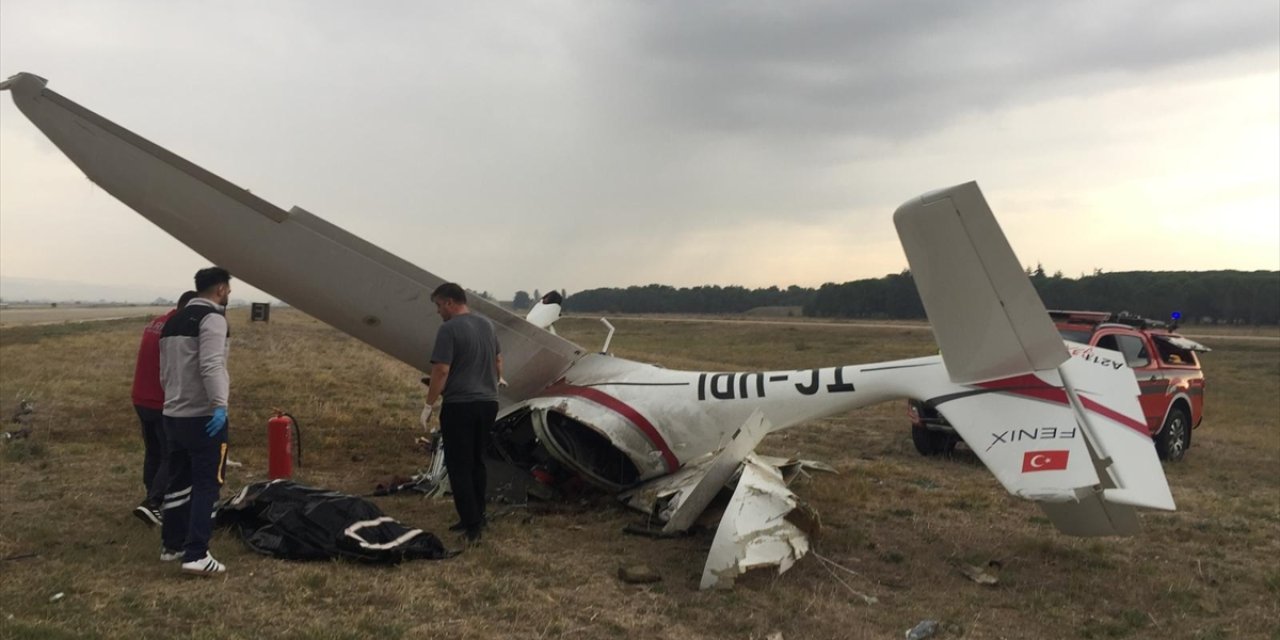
(1165, 363)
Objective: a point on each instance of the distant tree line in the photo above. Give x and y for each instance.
(657, 298)
(1226, 297)
(1233, 297)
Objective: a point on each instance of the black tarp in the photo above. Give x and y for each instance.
(287, 520)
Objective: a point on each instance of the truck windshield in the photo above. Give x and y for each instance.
(1076, 335)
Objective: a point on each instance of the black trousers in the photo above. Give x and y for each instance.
(467, 427)
(155, 472)
(196, 465)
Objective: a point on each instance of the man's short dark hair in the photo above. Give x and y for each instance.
(185, 298)
(207, 279)
(450, 291)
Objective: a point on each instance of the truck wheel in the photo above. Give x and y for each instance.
(1174, 436)
(931, 443)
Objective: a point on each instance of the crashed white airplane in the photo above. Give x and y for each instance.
(669, 441)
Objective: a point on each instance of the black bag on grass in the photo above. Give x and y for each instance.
(287, 520)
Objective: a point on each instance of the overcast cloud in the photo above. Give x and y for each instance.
(574, 145)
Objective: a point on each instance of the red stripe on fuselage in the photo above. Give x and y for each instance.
(1033, 387)
(623, 409)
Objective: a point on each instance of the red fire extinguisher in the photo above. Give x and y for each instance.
(281, 432)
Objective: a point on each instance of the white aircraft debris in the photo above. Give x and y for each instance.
(755, 531)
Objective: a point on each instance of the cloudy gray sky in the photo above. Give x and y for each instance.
(582, 144)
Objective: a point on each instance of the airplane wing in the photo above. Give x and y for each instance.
(293, 255)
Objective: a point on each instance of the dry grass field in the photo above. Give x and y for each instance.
(901, 524)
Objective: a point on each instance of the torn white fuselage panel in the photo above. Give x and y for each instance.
(721, 469)
(791, 468)
(619, 432)
(661, 496)
(755, 530)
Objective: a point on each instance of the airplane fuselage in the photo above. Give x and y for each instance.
(660, 419)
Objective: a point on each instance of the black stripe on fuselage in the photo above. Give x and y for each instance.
(637, 384)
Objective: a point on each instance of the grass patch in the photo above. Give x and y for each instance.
(1123, 625)
(29, 334)
(22, 451)
(898, 521)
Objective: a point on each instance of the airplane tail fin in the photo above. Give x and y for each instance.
(1061, 428)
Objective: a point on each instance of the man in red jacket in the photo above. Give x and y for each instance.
(148, 401)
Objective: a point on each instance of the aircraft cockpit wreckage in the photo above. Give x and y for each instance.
(667, 442)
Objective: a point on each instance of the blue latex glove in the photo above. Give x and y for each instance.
(217, 422)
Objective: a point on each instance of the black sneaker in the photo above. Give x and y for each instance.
(148, 515)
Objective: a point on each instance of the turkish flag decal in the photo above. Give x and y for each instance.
(1044, 460)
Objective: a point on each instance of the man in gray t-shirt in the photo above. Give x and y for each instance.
(466, 367)
(467, 344)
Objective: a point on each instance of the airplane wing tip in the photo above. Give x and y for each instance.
(934, 195)
(21, 79)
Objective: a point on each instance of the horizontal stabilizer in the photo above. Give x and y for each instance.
(1092, 516)
(1071, 439)
(987, 318)
(1104, 394)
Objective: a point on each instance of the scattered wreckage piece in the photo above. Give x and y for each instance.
(24, 414)
(662, 497)
(923, 631)
(792, 468)
(287, 520)
(830, 566)
(17, 434)
(978, 574)
(757, 529)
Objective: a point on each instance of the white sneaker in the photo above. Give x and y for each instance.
(205, 566)
(169, 555)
